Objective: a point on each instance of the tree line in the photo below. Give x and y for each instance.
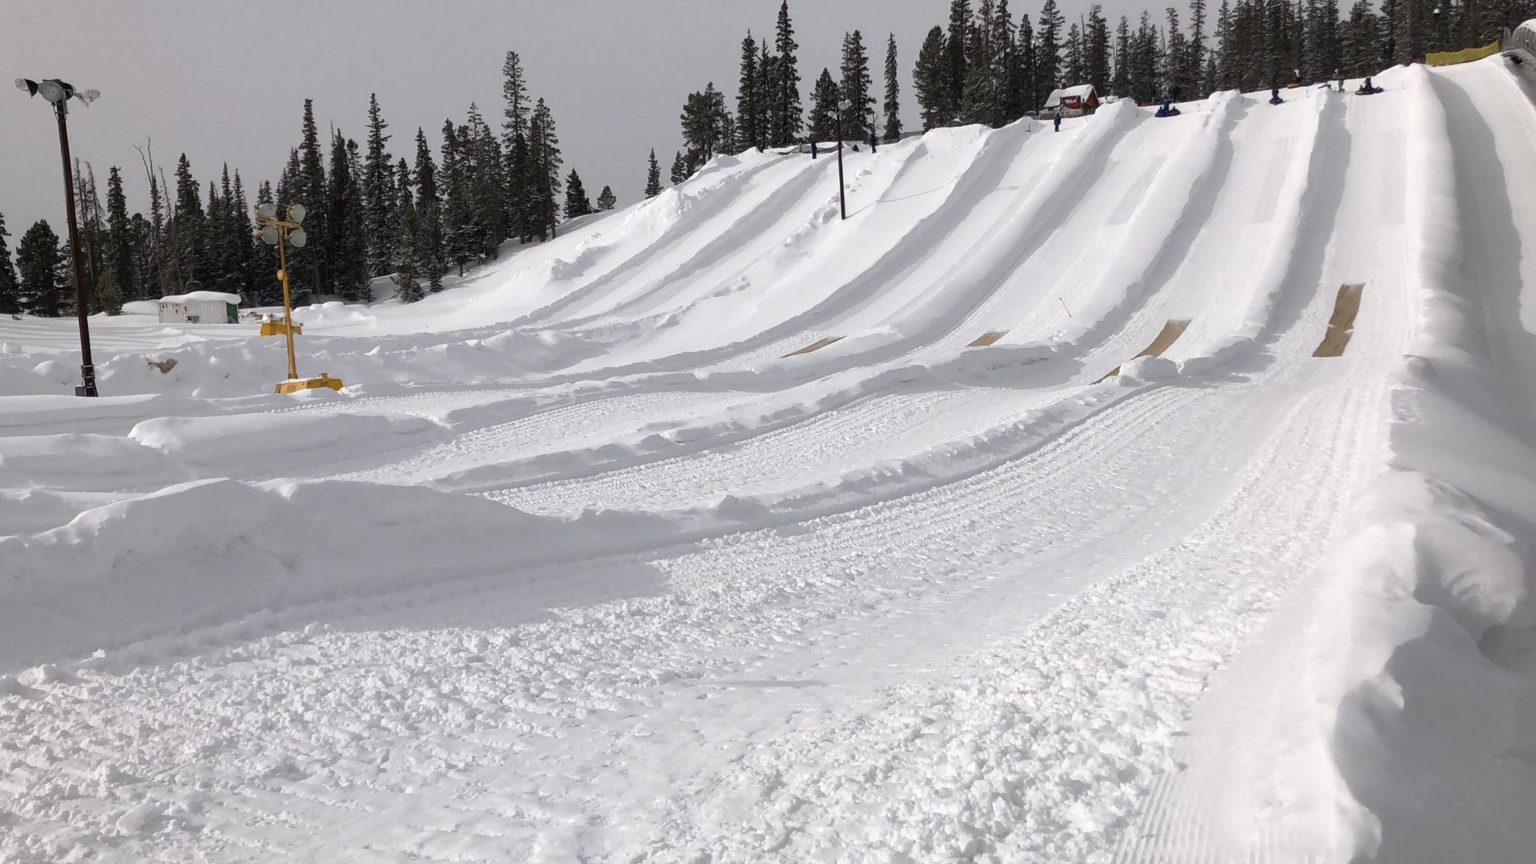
(369, 214)
(986, 66)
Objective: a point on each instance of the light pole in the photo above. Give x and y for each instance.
(59, 93)
(280, 232)
(842, 196)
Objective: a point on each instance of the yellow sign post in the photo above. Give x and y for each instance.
(280, 232)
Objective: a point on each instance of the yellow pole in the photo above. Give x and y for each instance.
(282, 257)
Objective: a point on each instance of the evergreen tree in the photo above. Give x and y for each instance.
(747, 97)
(679, 169)
(1175, 84)
(160, 274)
(431, 254)
(856, 87)
(543, 180)
(243, 243)
(786, 121)
(1144, 61)
(1006, 79)
(310, 273)
(119, 251)
(653, 176)
(980, 102)
(1120, 82)
(347, 241)
(378, 184)
(488, 184)
(956, 43)
(1048, 51)
(187, 226)
(515, 125)
(264, 258)
(38, 264)
(1027, 70)
(892, 106)
(767, 90)
(930, 81)
(407, 288)
(1195, 57)
(1073, 70)
(606, 200)
(1361, 39)
(705, 125)
(822, 121)
(1096, 48)
(458, 215)
(576, 203)
(10, 290)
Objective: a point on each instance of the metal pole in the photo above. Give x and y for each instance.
(87, 368)
(842, 198)
(282, 258)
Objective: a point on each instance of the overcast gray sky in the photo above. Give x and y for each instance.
(225, 81)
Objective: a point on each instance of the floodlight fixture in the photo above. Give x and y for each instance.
(266, 210)
(296, 214)
(298, 238)
(269, 235)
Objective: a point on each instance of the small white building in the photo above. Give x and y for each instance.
(200, 307)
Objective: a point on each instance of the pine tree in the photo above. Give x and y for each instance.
(747, 97)
(1144, 61)
(487, 193)
(38, 264)
(431, 255)
(458, 215)
(1006, 79)
(10, 290)
(892, 106)
(515, 125)
(653, 177)
(308, 268)
(1096, 48)
(705, 125)
(930, 82)
(786, 120)
(606, 200)
(1195, 60)
(1120, 81)
(1175, 84)
(119, 245)
(1361, 43)
(1073, 69)
(767, 90)
(187, 224)
(956, 43)
(407, 288)
(679, 168)
(544, 163)
(1048, 51)
(576, 203)
(981, 103)
(822, 121)
(1027, 70)
(856, 87)
(378, 185)
(264, 258)
(243, 243)
(347, 241)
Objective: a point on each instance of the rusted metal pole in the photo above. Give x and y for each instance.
(87, 368)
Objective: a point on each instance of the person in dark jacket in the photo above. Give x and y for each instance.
(1057, 119)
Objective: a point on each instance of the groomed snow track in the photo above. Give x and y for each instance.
(905, 597)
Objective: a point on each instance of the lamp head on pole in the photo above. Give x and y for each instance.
(56, 92)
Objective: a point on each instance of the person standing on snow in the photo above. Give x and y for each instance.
(1057, 119)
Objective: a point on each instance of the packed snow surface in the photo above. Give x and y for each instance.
(1011, 519)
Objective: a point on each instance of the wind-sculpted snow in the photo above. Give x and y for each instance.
(581, 566)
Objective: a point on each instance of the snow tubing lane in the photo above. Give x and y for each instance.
(1342, 325)
(988, 338)
(814, 346)
(1170, 334)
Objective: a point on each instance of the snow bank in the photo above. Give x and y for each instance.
(267, 444)
(202, 554)
(1419, 654)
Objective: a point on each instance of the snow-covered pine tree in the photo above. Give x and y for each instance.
(892, 106)
(930, 82)
(653, 176)
(407, 288)
(10, 299)
(379, 192)
(606, 200)
(679, 168)
(857, 89)
(822, 121)
(576, 203)
(786, 121)
(431, 253)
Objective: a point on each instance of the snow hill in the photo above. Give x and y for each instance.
(1158, 490)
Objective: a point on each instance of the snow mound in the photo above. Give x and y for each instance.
(206, 553)
(1148, 369)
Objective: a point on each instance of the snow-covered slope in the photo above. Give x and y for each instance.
(720, 528)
